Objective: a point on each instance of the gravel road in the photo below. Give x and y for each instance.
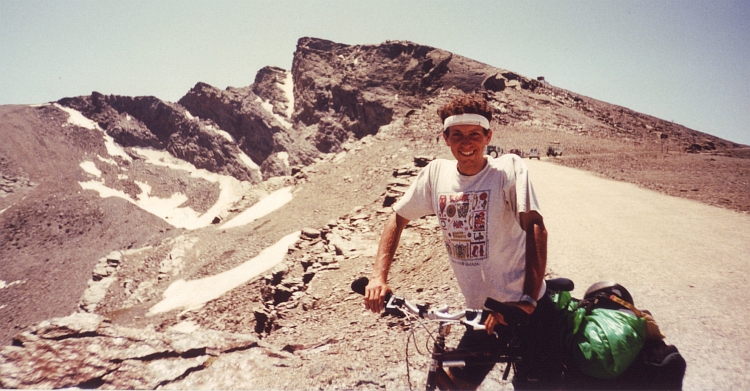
(684, 261)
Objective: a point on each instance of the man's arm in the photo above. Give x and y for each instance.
(378, 287)
(536, 264)
(536, 252)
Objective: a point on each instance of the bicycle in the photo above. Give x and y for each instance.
(445, 357)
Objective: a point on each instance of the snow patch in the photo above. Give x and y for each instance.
(222, 133)
(191, 295)
(270, 203)
(284, 157)
(168, 209)
(269, 108)
(248, 162)
(107, 160)
(242, 155)
(4, 284)
(76, 118)
(288, 87)
(90, 168)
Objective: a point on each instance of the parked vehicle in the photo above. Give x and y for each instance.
(518, 152)
(494, 150)
(534, 153)
(554, 149)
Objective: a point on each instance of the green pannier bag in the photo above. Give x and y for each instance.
(604, 342)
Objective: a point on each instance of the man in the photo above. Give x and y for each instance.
(492, 229)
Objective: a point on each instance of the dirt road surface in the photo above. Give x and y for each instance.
(686, 262)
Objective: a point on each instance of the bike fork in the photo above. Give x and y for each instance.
(436, 373)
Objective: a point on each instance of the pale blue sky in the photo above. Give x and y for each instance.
(684, 61)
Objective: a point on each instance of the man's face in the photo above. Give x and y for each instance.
(467, 143)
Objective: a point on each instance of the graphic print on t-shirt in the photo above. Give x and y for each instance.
(463, 218)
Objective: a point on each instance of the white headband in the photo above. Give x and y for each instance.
(466, 119)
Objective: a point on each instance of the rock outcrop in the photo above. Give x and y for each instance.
(84, 350)
(150, 122)
(261, 133)
(344, 91)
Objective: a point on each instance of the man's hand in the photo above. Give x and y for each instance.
(494, 318)
(375, 293)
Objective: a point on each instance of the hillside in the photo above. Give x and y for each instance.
(108, 201)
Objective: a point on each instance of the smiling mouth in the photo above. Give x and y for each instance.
(469, 153)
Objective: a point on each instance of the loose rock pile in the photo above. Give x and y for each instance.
(317, 251)
(403, 177)
(103, 276)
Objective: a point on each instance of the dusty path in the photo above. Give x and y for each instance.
(685, 261)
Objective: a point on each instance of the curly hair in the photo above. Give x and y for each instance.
(466, 104)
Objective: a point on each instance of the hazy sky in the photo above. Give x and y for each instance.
(684, 61)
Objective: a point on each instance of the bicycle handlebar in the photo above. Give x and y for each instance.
(474, 318)
(421, 310)
(513, 315)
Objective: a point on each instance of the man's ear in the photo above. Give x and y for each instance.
(445, 138)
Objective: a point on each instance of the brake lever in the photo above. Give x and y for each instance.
(393, 305)
(474, 325)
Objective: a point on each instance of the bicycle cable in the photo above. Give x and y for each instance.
(409, 336)
(415, 322)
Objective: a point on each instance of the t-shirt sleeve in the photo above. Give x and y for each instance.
(525, 198)
(417, 201)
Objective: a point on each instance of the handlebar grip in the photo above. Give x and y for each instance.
(560, 285)
(513, 315)
(359, 285)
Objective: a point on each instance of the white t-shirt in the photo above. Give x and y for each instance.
(479, 217)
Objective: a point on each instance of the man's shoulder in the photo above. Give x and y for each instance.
(510, 164)
(504, 162)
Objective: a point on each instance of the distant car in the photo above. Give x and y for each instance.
(494, 150)
(518, 152)
(554, 150)
(534, 153)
